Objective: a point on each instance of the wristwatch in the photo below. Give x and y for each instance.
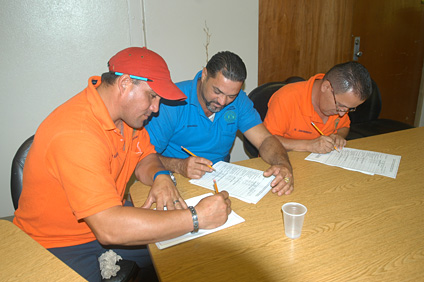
(166, 172)
(173, 178)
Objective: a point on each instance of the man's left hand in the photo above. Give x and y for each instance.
(339, 141)
(283, 182)
(165, 194)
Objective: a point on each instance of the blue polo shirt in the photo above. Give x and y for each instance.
(185, 124)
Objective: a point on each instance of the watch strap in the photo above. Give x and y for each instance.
(167, 172)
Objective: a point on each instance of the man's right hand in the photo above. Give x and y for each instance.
(195, 167)
(213, 211)
(321, 145)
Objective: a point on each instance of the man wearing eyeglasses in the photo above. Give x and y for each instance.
(312, 115)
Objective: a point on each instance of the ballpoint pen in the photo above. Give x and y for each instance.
(320, 132)
(215, 187)
(193, 155)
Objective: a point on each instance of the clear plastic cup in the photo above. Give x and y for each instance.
(294, 213)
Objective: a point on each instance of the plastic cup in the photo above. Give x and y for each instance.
(294, 213)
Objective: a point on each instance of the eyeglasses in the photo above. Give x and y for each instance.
(346, 110)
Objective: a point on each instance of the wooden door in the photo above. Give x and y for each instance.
(392, 43)
(304, 37)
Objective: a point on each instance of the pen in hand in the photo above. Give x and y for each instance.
(193, 155)
(320, 132)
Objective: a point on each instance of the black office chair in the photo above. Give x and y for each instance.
(18, 170)
(260, 97)
(365, 122)
(129, 269)
(293, 79)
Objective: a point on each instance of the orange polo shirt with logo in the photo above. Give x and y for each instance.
(78, 165)
(290, 112)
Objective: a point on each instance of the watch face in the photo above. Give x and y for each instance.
(173, 178)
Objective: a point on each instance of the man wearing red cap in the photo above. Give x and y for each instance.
(82, 157)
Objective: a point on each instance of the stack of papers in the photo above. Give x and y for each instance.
(233, 219)
(243, 183)
(367, 162)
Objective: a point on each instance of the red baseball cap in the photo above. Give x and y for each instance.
(144, 63)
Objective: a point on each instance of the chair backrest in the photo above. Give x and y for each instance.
(293, 79)
(370, 109)
(17, 170)
(260, 97)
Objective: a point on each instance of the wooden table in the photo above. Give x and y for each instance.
(358, 227)
(23, 259)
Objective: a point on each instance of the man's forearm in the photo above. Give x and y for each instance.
(134, 226)
(295, 144)
(172, 164)
(147, 167)
(273, 152)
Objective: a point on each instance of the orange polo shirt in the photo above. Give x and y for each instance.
(290, 112)
(78, 165)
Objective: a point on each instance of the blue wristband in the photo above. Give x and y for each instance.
(167, 172)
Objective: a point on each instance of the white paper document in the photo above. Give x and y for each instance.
(233, 219)
(367, 162)
(244, 183)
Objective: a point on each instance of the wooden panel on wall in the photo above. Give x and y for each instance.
(302, 37)
(392, 42)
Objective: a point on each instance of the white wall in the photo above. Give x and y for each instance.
(178, 35)
(49, 49)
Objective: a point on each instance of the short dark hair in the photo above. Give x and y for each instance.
(350, 76)
(110, 77)
(230, 64)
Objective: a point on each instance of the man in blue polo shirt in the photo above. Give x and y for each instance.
(207, 123)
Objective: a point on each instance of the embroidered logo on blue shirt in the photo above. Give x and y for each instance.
(230, 116)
